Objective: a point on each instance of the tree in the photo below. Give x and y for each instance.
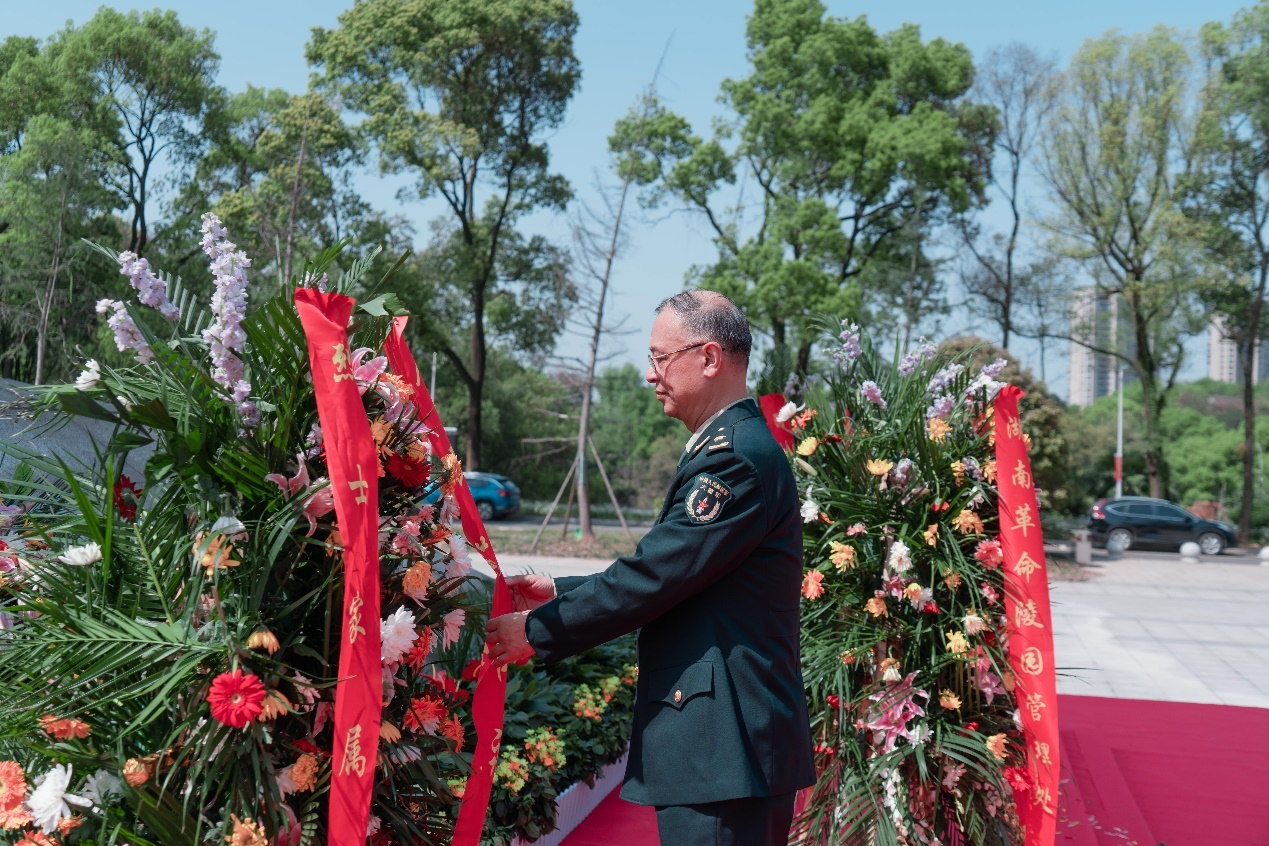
(154, 80)
(278, 171)
(50, 198)
(460, 93)
(855, 143)
(1019, 84)
(1115, 155)
(1230, 197)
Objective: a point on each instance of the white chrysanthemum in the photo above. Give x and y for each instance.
(80, 556)
(91, 375)
(453, 623)
(810, 508)
(460, 557)
(786, 412)
(974, 624)
(49, 802)
(396, 635)
(900, 560)
(892, 674)
(286, 784)
(102, 788)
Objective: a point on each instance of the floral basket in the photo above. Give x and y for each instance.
(169, 654)
(905, 642)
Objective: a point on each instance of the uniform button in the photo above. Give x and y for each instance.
(678, 696)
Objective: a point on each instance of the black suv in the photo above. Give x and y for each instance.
(1141, 521)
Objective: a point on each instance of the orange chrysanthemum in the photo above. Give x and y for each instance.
(452, 728)
(958, 471)
(137, 771)
(264, 639)
(803, 419)
(416, 658)
(36, 838)
(416, 580)
(12, 794)
(876, 606)
(812, 584)
(389, 733)
(274, 705)
(236, 698)
(989, 469)
(453, 472)
(996, 745)
(64, 729)
(949, 700)
(304, 772)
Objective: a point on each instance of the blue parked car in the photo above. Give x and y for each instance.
(496, 496)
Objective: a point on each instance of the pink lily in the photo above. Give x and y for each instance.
(293, 485)
(367, 374)
(320, 500)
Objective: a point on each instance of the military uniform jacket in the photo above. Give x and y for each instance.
(714, 587)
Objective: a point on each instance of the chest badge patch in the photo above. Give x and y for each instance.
(706, 499)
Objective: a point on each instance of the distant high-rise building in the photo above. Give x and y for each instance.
(1222, 356)
(1094, 320)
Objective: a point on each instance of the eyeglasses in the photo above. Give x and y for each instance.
(653, 359)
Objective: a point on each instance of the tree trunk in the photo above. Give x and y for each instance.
(295, 202)
(476, 388)
(41, 335)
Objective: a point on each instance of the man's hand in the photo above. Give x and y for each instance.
(505, 639)
(530, 591)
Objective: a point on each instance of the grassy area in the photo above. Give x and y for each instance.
(606, 544)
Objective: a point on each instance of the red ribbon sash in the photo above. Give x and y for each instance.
(489, 700)
(771, 405)
(354, 477)
(1030, 621)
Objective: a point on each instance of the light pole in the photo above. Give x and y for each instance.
(1119, 435)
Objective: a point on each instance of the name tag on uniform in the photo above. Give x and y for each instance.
(706, 499)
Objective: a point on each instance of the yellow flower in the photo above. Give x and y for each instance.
(416, 579)
(932, 534)
(912, 591)
(808, 447)
(956, 643)
(996, 745)
(949, 700)
(958, 470)
(989, 470)
(264, 639)
(937, 429)
(879, 466)
(876, 606)
(842, 555)
(968, 523)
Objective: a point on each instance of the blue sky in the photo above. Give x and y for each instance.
(619, 43)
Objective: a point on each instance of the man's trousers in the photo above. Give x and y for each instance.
(755, 821)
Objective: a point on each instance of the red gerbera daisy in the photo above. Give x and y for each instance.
(236, 699)
(126, 496)
(411, 472)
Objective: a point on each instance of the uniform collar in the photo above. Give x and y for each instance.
(696, 436)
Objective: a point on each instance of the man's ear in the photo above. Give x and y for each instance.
(714, 358)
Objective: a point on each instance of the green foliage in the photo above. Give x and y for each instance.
(460, 93)
(858, 143)
(1114, 160)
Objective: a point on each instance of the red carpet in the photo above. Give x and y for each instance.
(1135, 773)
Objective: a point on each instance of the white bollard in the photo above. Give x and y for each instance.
(1264, 556)
(1189, 552)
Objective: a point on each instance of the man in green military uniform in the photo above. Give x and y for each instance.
(721, 735)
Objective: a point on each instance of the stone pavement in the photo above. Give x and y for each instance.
(1143, 627)
(1151, 627)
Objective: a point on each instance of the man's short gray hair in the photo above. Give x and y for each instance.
(709, 316)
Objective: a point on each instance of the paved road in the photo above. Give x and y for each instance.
(1152, 627)
(1145, 627)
